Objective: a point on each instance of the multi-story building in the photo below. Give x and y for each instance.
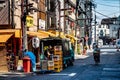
(61, 15)
(112, 25)
(11, 26)
(106, 30)
(23, 19)
(85, 16)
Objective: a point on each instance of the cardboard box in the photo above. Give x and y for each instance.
(44, 64)
(50, 63)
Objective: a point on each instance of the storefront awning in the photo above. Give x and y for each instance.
(39, 35)
(7, 31)
(57, 33)
(17, 32)
(47, 33)
(4, 37)
(70, 36)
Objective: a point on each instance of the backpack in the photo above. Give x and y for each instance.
(96, 50)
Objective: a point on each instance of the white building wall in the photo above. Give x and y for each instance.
(105, 29)
(17, 14)
(62, 14)
(113, 30)
(99, 27)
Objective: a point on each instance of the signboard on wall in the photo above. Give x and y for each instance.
(29, 21)
(41, 24)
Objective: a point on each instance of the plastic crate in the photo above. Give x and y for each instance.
(58, 52)
(56, 57)
(50, 67)
(57, 70)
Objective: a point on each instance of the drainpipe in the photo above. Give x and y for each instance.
(12, 13)
(8, 12)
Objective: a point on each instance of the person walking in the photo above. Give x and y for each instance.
(96, 54)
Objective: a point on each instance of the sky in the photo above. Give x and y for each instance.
(108, 8)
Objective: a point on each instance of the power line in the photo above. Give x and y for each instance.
(101, 14)
(106, 5)
(114, 13)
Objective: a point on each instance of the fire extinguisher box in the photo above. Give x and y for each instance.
(26, 64)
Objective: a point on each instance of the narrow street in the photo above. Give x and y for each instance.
(83, 69)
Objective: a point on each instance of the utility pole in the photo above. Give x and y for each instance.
(95, 27)
(23, 24)
(119, 22)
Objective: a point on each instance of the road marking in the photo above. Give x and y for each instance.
(111, 69)
(62, 74)
(107, 53)
(72, 74)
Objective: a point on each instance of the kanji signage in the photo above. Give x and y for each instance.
(29, 21)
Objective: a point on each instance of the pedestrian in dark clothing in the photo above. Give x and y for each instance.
(96, 54)
(49, 53)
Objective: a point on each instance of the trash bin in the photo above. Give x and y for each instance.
(26, 64)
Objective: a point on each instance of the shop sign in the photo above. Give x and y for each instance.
(35, 42)
(41, 24)
(29, 21)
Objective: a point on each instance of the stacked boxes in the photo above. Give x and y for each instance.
(56, 63)
(44, 64)
(50, 65)
(58, 66)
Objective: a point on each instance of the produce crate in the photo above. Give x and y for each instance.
(58, 53)
(50, 63)
(56, 61)
(44, 64)
(57, 66)
(50, 67)
(57, 69)
(56, 57)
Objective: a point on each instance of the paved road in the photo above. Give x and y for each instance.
(83, 69)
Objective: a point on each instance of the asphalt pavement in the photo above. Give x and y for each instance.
(83, 69)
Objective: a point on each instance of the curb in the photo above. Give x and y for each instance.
(4, 74)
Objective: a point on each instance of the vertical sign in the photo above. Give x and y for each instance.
(41, 24)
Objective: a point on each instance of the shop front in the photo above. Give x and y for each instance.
(9, 47)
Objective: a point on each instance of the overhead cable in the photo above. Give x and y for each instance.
(102, 14)
(106, 5)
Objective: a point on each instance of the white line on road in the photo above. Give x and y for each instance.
(111, 69)
(61, 74)
(72, 74)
